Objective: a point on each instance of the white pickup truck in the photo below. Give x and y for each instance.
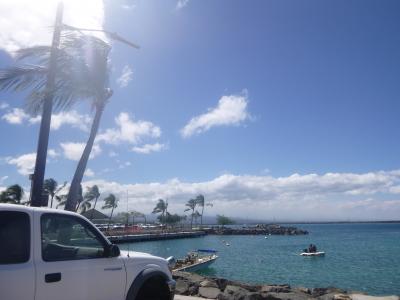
(48, 254)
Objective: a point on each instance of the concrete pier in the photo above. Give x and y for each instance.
(131, 238)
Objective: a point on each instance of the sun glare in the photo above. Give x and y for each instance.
(29, 22)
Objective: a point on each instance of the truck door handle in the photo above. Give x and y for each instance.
(52, 277)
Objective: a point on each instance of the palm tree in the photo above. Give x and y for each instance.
(110, 202)
(91, 194)
(13, 194)
(191, 204)
(50, 186)
(196, 215)
(61, 199)
(98, 70)
(82, 74)
(161, 207)
(84, 206)
(201, 202)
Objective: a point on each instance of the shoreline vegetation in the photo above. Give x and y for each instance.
(191, 284)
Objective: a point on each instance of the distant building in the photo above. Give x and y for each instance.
(95, 216)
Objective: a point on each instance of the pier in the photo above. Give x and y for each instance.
(132, 238)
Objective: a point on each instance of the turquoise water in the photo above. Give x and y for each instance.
(360, 257)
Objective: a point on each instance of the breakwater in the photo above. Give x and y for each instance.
(218, 288)
(262, 229)
(131, 238)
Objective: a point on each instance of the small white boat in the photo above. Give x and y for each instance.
(196, 260)
(319, 253)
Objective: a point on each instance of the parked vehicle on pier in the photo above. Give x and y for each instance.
(55, 254)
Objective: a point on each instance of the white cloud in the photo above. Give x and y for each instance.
(3, 178)
(89, 173)
(16, 116)
(126, 76)
(124, 165)
(73, 118)
(128, 6)
(181, 4)
(148, 148)
(25, 23)
(129, 131)
(231, 110)
(26, 163)
(112, 154)
(331, 196)
(73, 151)
(3, 105)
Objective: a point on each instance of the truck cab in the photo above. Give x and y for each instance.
(50, 254)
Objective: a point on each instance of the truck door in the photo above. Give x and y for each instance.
(72, 262)
(17, 272)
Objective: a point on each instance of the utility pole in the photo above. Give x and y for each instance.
(41, 154)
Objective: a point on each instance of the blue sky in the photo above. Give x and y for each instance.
(291, 106)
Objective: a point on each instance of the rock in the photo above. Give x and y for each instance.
(253, 296)
(209, 283)
(221, 282)
(275, 288)
(182, 287)
(365, 297)
(233, 292)
(316, 292)
(209, 292)
(302, 290)
(286, 296)
(341, 297)
(193, 290)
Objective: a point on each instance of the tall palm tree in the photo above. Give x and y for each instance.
(161, 207)
(50, 186)
(191, 204)
(110, 202)
(98, 70)
(201, 202)
(13, 194)
(82, 74)
(92, 193)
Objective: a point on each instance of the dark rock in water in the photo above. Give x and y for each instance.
(263, 229)
(209, 292)
(223, 289)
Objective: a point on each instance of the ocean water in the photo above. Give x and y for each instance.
(359, 257)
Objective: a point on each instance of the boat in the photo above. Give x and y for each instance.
(319, 253)
(196, 260)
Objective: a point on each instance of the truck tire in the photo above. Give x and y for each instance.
(151, 284)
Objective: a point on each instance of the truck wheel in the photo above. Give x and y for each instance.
(154, 289)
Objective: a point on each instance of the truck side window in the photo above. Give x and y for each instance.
(14, 237)
(68, 238)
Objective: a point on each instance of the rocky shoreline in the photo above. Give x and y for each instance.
(262, 229)
(191, 284)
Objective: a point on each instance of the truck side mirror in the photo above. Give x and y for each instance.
(112, 251)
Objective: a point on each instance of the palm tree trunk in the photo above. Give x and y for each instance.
(109, 220)
(94, 207)
(51, 203)
(191, 220)
(80, 169)
(201, 219)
